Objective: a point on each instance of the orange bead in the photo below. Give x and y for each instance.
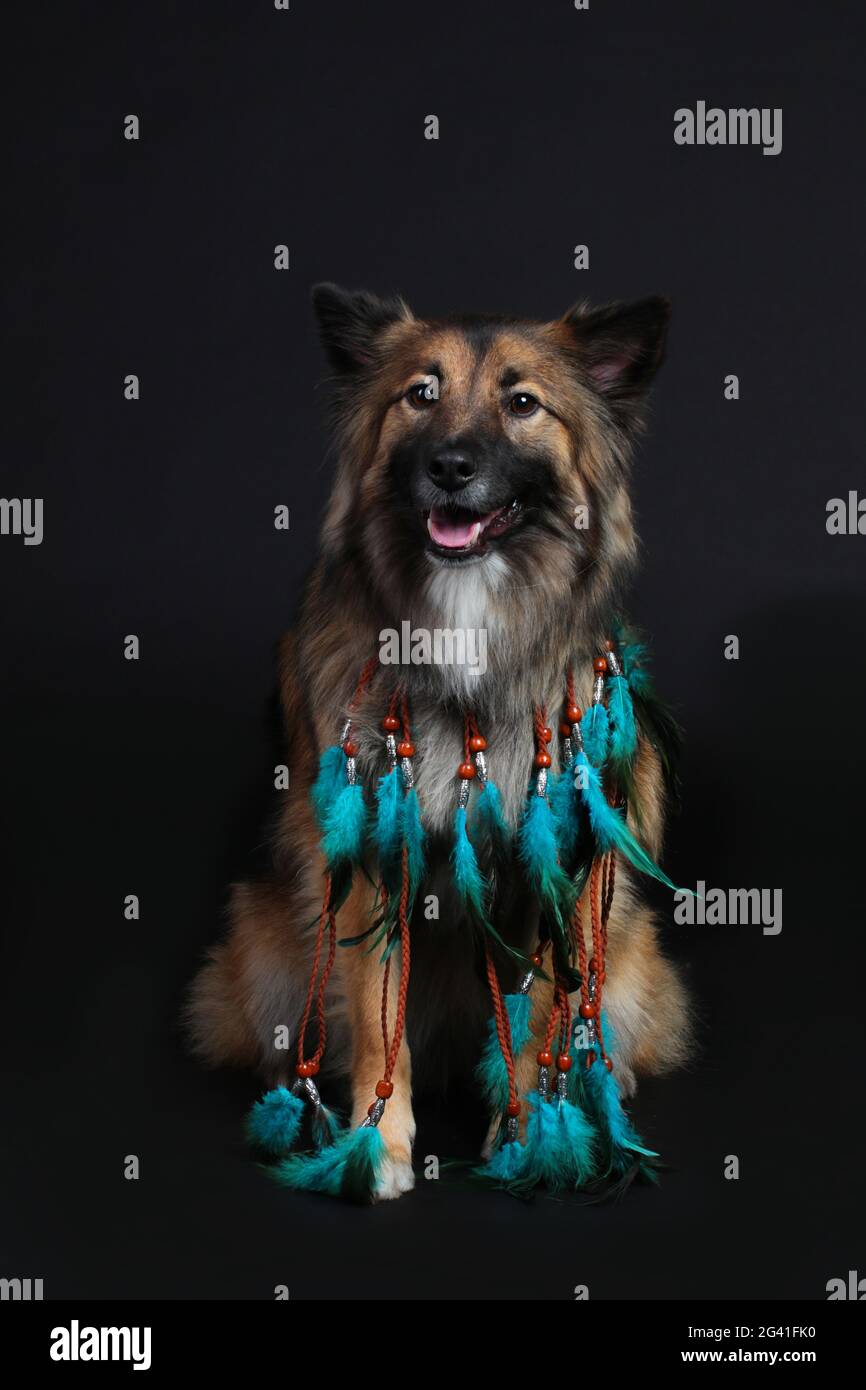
(563, 1062)
(512, 1109)
(536, 960)
(545, 1059)
(542, 759)
(466, 771)
(599, 665)
(405, 750)
(608, 1063)
(564, 729)
(307, 1068)
(391, 723)
(574, 714)
(350, 749)
(587, 1010)
(384, 1089)
(477, 743)
(609, 645)
(547, 734)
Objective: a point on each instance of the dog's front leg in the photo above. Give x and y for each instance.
(364, 975)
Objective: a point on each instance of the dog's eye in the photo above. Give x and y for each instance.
(523, 404)
(423, 394)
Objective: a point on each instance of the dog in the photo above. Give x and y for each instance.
(482, 485)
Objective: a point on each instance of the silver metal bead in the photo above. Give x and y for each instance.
(376, 1114)
(511, 1129)
(541, 782)
(312, 1091)
(543, 1082)
(598, 689)
(567, 752)
(351, 771)
(463, 794)
(408, 773)
(526, 982)
(481, 766)
(613, 666)
(345, 734)
(391, 745)
(561, 1085)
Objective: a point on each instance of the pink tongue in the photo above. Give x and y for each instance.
(446, 530)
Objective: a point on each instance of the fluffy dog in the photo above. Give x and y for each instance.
(482, 485)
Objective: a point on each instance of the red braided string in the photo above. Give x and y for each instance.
(503, 1024)
(317, 954)
(392, 1052)
(323, 985)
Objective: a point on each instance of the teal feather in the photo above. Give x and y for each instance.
(566, 807)
(490, 819)
(274, 1121)
(595, 732)
(330, 781)
(623, 730)
(609, 826)
(623, 1145)
(348, 1168)
(388, 834)
(504, 1166)
(545, 1163)
(578, 1138)
(467, 875)
(345, 826)
(538, 850)
(413, 836)
(491, 1071)
(326, 1126)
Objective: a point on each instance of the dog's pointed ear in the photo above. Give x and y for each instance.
(350, 323)
(621, 347)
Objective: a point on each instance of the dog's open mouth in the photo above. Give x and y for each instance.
(457, 532)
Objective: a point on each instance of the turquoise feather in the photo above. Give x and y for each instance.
(345, 826)
(623, 729)
(538, 850)
(348, 1168)
(491, 1071)
(467, 875)
(577, 1141)
(389, 829)
(624, 1146)
(490, 818)
(609, 826)
(274, 1121)
(505, 1165)
(329, 782)
(326, 1126)
(545, 1161)
(566, 808)
(413, 836)
(595, 732)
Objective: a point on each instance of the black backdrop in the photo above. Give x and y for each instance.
(153, 777)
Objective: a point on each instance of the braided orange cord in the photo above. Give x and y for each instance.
(317, 954)
(323, 985)
(392, 1052)
(503, 1024)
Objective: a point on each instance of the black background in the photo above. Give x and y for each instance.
(261, 127)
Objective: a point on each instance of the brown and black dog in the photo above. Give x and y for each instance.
(482, 484)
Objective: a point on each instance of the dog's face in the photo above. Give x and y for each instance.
(485, 455)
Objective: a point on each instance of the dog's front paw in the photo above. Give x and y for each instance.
(395, 1178)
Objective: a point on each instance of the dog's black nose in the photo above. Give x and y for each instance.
(451, 469)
